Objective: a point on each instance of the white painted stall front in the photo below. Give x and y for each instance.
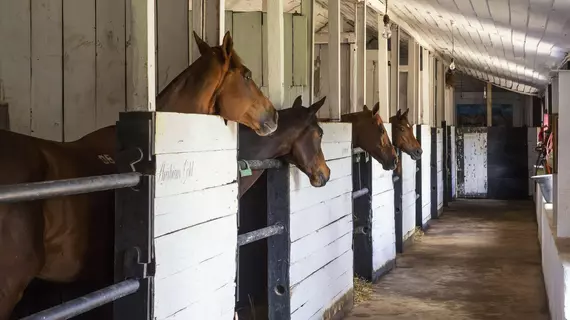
(408, 194)
(383, 224)
(195, 226)
(426, 173)
(439, 157)
(473, 180)
(321, 264)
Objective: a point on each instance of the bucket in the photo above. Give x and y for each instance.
(545, 183)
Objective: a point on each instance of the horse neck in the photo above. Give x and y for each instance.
(190, 92)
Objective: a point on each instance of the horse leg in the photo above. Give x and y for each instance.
(21, 251)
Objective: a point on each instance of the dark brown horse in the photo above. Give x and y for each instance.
(369, 133)
(297, 140)
(403, 135)
(70, 239)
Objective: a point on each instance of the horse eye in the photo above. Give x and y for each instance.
(247, 75)
(402, 129)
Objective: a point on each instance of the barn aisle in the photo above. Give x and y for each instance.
(480, 261)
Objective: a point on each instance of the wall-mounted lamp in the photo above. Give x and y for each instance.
(452, 64)
(387, 33)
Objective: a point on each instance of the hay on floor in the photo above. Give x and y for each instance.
(362, 290)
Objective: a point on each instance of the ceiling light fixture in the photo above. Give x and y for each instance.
(387, 33)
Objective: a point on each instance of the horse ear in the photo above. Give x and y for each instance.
(298, 103)
(203, 47)
(227, 44)
(317, 105)
(405, 114)
(365, 108)
(376, 108)
(398, 113)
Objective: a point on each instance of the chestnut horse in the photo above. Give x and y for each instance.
(70, 239)
(297, 140)
(369, 133)
(403, 135)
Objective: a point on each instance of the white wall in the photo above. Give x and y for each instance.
(383, 224)
(518, 101)
(321, 269)
(195, 204)
(439, 157)
(321, 85)
(408, 194)
(426, 173)
(474, 165)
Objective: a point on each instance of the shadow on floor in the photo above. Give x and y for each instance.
(480, 261)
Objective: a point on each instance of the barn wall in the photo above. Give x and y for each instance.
(321, 84)
(453, 163)
(321, 269)
(518, 101)
(408, 194)
(195, 217)
(383, 224)
(426, 173)
(439, 144)
(532, 156)
(62, 65)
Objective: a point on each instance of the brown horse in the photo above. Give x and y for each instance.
(369, 133)
(297, 140)
(70, 239)
(403, 135)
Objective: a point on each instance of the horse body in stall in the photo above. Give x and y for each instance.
(70, 239)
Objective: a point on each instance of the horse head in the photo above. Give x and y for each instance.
(369, 133)
(306, 152)
(403, 135)
(219, 83)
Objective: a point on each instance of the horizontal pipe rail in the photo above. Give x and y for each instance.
(259, 234)
(56, 188)
(360, 193)
(88, 302)
(260, 164)
(357, 150)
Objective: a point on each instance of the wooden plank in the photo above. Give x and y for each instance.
(336, 132)
(308, 296)
(46, 68)
(383, 74)
(334, 293)
(308, 11)
(185, 172)
(247, 38)
(176, 132)
(306, 246)
(306, 221)
(475, 163)
(300, 51)
(185, 210)
(141, 55)
(304, 198)
(334, 76)
(395, 72)
(219, 305)
(194, 285)
(214, 21)
(384, 251)
(79, 71)
(340, 168)
(288, 55)
(110, 62)
(184, 249)
(172, 40)
(302, 269)
(276, 50)
(426, 166)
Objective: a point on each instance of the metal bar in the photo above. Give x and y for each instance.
(56, 188)
(360, 193)
(88, 302)
(259, 234)
(260, 164)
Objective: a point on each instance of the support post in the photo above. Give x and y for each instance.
(561, 115)
(441, 96)
(433, 174)
(307, 9)
(208, 21)
(419, 176)
(383, 74)
(334, 100)
(489, 104)
(395, 71)
(360, 26)
(141, 55)
(362, 217)
(412, 80)
(275, 50)
(398, 206)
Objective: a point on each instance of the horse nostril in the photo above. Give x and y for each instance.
(395, 162)
(322, 178)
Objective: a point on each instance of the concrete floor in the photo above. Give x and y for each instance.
(479, 261)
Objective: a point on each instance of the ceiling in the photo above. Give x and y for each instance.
(514, 44)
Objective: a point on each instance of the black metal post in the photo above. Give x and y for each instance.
(362, 216)
(444, 165)
(278, 246)
(398, 217)
(448, 196)
(66, 187)
(419, 208)
(433, 167)
(87, 302)
(134, 230)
